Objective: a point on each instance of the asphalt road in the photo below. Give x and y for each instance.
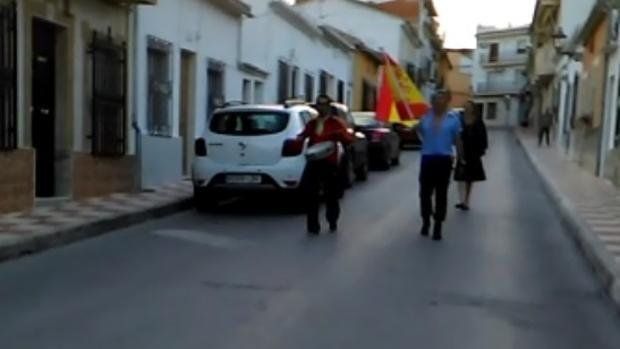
(506, 276)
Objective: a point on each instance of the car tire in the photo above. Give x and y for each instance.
(396, 160)
(362, 173)
(205, 201)
(349, 173)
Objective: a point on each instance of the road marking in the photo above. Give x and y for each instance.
(201, 237)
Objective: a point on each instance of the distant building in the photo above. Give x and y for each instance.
(459, 77)
(499, 73)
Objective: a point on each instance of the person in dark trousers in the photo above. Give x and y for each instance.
(475, 144)
(324, 174)
(439, 131)
(545, 127)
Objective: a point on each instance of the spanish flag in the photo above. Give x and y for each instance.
(399, 98)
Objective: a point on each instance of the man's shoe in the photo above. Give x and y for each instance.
(314, 231)
(333, 228)
(425, 229)
(437, 231)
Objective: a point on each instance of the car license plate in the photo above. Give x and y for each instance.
(243, 179)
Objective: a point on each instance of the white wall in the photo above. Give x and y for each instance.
(269, 38)
(197, 26)
(377, 29)
(211, 33)
(573, 14)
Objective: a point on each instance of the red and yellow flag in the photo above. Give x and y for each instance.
(399, 98)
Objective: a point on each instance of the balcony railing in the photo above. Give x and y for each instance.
(499, 87)
(503, 59)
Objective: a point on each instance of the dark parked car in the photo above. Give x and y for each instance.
(355, 162)
(383, 141)
(408, 136)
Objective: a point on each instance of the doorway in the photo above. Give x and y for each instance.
(44, 106)
(186, 106)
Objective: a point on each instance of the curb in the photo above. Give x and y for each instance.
(66, 236)
(597, 256)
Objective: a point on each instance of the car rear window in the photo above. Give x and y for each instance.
(249, 123)
(363, 121)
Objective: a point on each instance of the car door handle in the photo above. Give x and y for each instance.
(215, 144)
(44, 111)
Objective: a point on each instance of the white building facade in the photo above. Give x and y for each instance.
(292, 57)
(187, 55)
(499, 73)
(389, 33)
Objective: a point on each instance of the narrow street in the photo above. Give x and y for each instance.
(506, 276)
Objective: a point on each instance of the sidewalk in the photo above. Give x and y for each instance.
(45, 227)
(589, 205)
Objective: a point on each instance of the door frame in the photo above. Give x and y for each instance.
(187, 105)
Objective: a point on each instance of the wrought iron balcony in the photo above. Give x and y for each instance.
(488, 60)
(502, 87)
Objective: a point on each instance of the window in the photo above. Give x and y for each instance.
(249, 123)
(411, 71)
(294, 82)
(491, 111)
(340, 91)
(493, 52)
(215, 86)
(305, 116)
(522, 46)
(323, 80)
(8, 78)
(258, 92)
(369, 96)
(108, 96)
(283, 70)
(309, 88)
(247, 91)
(160, 87)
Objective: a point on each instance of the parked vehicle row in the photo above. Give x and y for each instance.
(253, 148)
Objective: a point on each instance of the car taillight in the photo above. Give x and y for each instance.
(200, 147)
(292, 147)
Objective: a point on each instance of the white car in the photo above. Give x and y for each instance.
(250, 148)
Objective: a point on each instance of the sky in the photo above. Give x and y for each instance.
(459, 18)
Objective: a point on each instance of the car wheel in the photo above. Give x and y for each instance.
(362, 172)
(386, 162)
(205, 201)
(396, 160)
(350, 173)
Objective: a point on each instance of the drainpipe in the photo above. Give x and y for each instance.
(134, 123)
(604, 138)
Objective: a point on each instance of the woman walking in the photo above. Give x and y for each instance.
(323, 174)
(475, 144)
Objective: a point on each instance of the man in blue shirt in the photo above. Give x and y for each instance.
(439, 131)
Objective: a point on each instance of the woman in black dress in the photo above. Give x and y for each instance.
(475, 143)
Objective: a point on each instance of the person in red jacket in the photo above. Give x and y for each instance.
(324, 173)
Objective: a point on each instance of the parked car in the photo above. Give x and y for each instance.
(407, 134)
(355, 161)
(249, 148)
(384, 142)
